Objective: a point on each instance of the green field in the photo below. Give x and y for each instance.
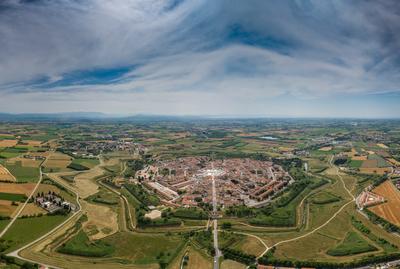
(355, 163)
(381, 161)
(325, 197)
(89, 163)
(190, 213)
(144, 248)
(80, 245)
(13, 197)
(12, 152)
(23, 174)
(352, 244)
(104, 197)
(27, 229)
(3, 223)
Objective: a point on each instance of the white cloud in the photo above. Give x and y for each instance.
(185, 58)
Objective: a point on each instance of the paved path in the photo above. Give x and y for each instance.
(23, 206)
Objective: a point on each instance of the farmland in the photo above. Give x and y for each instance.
(391, 209)
(5, 175)
(126, 220)
(23, 173)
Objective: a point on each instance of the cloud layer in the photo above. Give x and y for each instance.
(199, 56)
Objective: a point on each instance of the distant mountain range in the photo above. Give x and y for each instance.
(88, 116)
(52, 116)
(142, 118)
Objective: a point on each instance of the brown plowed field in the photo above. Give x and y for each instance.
(391, 209)
(375, 170)
(26, 188)
(57, 160)
(8, 143)
(26, 162)
(369, 164)
(6, 208)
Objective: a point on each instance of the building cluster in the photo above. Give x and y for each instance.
(96, 147)
(52, 202)
(367, 198)
(188, 181)
(397, 183)
(34, 157)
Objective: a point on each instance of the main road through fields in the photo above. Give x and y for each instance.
(215, 228)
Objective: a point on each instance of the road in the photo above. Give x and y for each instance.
(215, 227)
(325, 223)
(24, 205)
(124, 199)
(15, 253)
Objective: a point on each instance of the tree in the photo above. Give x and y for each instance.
(226, 225)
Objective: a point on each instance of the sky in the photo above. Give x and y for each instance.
(275, 58)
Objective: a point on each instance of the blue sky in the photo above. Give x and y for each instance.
(309, 58)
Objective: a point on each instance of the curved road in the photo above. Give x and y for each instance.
(23, 206)
(15, 253)
(215, 228)
(325, 223)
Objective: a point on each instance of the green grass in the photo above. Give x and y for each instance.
(23, 174)
(283, 211)
(355, 163)
(228, 239)
(142, 195)
(104, 197)
(89, 163)
(191, 213)
(17, 197)
(324, 197)
(69, 178)
(27, 229)
(143, 248)
(77, 167)
(381, 161)
(3, 224)
(351, 245)
(12, 152)
(80, 245)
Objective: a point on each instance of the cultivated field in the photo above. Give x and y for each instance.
(32, 143)
(391, 209)
(7, 143)
(6, 208)
(57, 160)
(375, 170)
(32, 209)
(301, 223)
(26, 162)
(17, 188)
(5, 175)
